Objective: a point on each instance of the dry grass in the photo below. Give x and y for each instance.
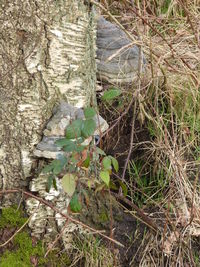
(169, 108)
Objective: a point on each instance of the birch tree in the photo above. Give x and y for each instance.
(47, 53)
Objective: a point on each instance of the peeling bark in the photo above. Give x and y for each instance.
(47, 53)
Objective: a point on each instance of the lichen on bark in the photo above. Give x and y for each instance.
(47, 53)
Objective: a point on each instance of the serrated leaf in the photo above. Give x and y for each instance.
(75, 204)
(71, 146)
(74, 129)
(111, 94)
(89, 127)
(80, 148)
(89, 113)
(115, 163)
(69, 183)
(100, 151)
(66, 143)
(105, 176)
(62, 142)
(106, 163)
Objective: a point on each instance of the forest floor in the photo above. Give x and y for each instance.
(156, 139)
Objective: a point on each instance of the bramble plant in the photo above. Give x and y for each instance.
(82, 156)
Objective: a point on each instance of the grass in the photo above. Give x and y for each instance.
(164, 169)
(89, 251)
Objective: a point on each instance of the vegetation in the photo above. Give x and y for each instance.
(163, 148)
(154, 135)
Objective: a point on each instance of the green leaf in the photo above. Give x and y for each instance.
(69, 183)
(113, 186)
(63, 160)
(115, 163)
(47, 168)
(80, 148)
(106, 163)
(124, 188)
(74, 129)
(80, 140)
(111, 94)
(54, 184)
(62, 142)
(89, 113)
(86, 162)
(105, 176)
(100, 151)
(71, 146)
(57, 166)
(74, 204)
(49, 182)
(89, 127)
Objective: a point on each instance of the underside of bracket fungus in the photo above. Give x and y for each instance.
(42, 218)
(117, 59)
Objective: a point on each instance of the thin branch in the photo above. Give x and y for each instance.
(4, 244)
(41, 200)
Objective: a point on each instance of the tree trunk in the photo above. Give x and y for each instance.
(47, 53)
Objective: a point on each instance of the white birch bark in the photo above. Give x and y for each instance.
(47, 54)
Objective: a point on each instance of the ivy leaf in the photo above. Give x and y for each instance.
(74, 129)
(106, 163)
(89, 127)
(69, 183)
(89, 113)
(111, 94)
(115, 163)
(74, 204)
(105, 176)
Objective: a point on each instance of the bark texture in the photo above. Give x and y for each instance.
(47, 53)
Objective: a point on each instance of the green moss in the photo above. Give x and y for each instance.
(12, 217)
(23, 250)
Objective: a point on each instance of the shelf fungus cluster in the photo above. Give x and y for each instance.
(43, 219)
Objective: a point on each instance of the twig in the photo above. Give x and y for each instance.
(141, 214)
(56, 240)
(41, 200)
(4, 244)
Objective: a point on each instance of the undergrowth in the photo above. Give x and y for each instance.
(163, 172)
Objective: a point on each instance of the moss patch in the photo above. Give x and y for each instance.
(21, 251)
(12, 217)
